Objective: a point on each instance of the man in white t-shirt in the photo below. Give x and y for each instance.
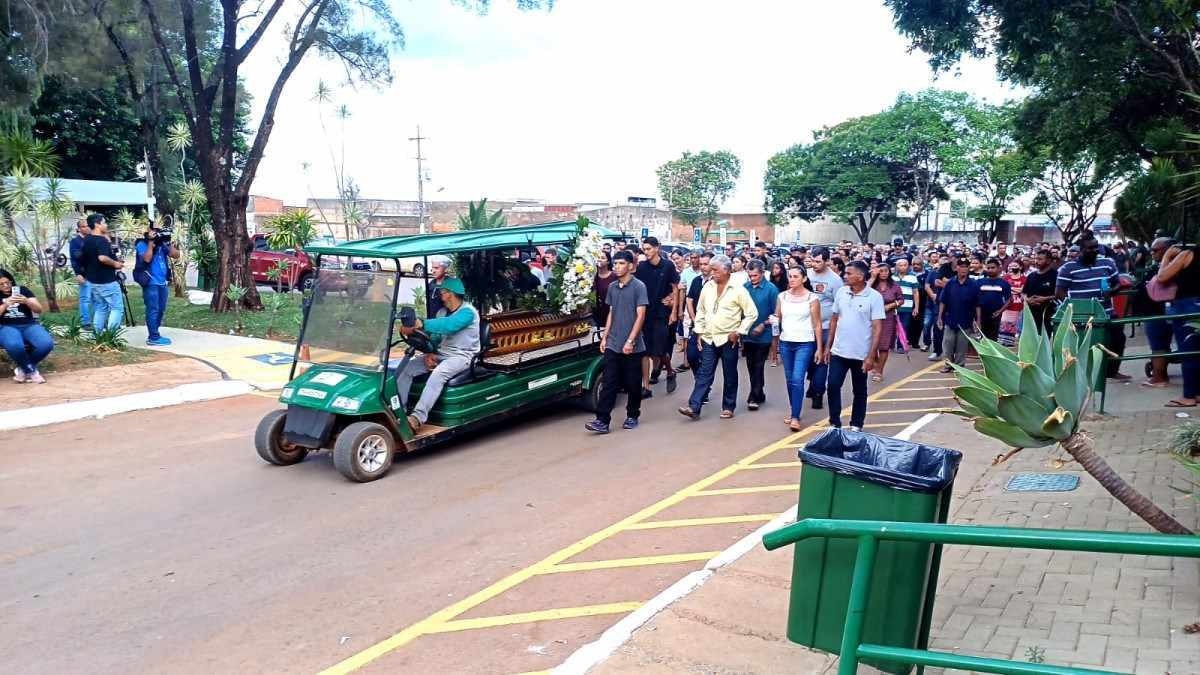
(825, 283)
(854, 341)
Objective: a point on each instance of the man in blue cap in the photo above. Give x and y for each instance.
(457, 337)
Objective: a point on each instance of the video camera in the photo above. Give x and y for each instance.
(161, 236)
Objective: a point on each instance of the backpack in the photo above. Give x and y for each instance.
(141, 268)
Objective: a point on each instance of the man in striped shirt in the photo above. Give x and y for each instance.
(1092, 276)
(910, 287)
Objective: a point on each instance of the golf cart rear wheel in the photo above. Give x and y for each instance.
(364, 451)
(268, 441)
(590, 399)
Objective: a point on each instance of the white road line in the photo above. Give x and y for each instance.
(592, 654)
(103, 407)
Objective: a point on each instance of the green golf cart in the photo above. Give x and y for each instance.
(342, 394)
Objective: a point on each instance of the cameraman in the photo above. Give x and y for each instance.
(152, 272)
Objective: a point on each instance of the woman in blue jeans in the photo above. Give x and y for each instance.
(798, 313)
(19, 328)
(1181, 267)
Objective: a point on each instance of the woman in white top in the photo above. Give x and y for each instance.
(798, 313)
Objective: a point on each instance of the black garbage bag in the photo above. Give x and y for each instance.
(903, 465)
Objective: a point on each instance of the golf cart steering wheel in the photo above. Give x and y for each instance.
(418, 340)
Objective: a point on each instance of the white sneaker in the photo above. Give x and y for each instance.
(19, 375)
(933, 357)
(36, 377)
(858, 429)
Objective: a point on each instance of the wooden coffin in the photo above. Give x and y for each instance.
(524, 330)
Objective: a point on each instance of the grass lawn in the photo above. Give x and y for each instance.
(180, 314)
(68, 356)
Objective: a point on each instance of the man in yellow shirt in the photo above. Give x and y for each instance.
(724, 314)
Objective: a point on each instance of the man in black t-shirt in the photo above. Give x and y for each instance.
(1039, 290)
(100, 265)
(661, 280)
(693, 297)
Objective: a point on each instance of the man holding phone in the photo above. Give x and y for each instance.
(100, 265)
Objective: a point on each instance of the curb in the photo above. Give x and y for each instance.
(594, 653)
(103, 407)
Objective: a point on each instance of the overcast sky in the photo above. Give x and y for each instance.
(584, 102)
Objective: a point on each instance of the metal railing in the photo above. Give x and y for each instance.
(870, 532)
(1118, 324)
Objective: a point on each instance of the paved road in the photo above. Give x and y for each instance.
(158, 542)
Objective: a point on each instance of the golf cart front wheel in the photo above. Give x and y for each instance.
(364, 451)
(269, 442)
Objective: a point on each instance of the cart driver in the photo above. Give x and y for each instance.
(457, 338)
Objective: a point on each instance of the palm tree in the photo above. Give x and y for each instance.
(30, 156)
(477, 217)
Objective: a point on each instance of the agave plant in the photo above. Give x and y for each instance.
(1037, 396)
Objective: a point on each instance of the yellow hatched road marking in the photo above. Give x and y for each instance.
(924, 389)
(905, 411)
(772, 465)
(746, 490)
(691, 522)
(642, 561)
(937, 379)
(887, 424)
(431, 623)
(916, 398)
(533, 617)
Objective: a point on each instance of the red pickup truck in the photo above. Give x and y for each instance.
(301, 272)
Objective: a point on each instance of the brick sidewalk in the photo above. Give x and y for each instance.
(1111, 612)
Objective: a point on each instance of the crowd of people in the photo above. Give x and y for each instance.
(823, 313)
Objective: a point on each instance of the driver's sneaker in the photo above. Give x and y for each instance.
(35, 377)
(413, 422)
(630, 423)
(597, 426)
(19, 375)
(159, 341)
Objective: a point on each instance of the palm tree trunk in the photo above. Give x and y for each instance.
(1081, 447)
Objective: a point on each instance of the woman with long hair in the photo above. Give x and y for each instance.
(798, 315)
(21, 334)
(893, 298)
(604, 277)
(780, 279)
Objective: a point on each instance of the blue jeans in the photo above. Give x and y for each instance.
(14, 339)
(727, 354)
(796, 359)
(85, 303)
(819, 373)
(931, 334)
(1187, 340)
(108, 308)
(838, 367)
(155, 297)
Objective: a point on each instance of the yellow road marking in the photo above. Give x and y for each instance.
(642, 561)
(938, 379)
(430, 623)
(533, 617)
(906, 410)
(772, 465)
(916, 398)
(746, 490)
(717, 520)
(887, 424)
(924, 389)
(274, 395)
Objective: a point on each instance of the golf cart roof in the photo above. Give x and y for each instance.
(417, 245)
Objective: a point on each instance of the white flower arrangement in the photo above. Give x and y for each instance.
(579, 273)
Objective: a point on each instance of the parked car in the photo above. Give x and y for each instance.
(300, 271)
(413, 266)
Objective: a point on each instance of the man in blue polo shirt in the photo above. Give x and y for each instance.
(1092, 276)
(756, 346)
(958, 312)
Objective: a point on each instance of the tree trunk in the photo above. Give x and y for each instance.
(1081, 447)
(233, 260)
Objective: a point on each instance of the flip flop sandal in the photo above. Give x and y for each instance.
(877, 378)
(794, 426)
(726, 414)
(787, 420)
(1156, 385)
(1178, 404)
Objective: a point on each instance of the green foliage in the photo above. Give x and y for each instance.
(274, 305)
(1072, 187)
(71, 330)
(1034, 396)
(696, 184)
(993, 168)
(95, 130)
(20, 153)
(845, 174)
(293, 229)
(1184, 439)
(40, 209)
(477, 217)
(1149, 204)
(234, 294)
(110, 340)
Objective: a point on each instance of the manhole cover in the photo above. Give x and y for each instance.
(1042, 482)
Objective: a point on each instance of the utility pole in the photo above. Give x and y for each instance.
(420, 182)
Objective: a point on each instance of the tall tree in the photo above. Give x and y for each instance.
(697, 184)
(1071, 189)
(1149, 204)
(925, 131)
(95, 130)
(844, 174)
(993, 168)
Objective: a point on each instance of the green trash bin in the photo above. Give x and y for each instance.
(852, 475)
(1081, 312)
